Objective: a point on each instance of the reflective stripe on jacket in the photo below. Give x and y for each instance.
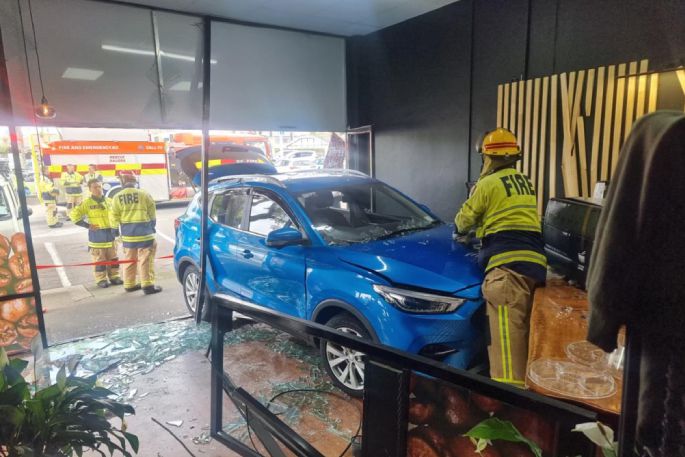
(72, 183)
(47, 191)
(96, 213)
(134, 212)
(88, 177)
(503, 208)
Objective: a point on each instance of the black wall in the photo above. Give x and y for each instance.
(428, 86)
(412, 84)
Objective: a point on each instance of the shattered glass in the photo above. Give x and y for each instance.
(118, 357)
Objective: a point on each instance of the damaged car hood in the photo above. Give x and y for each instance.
(428, 259)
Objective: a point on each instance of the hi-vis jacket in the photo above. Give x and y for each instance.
(95, 213)
(47, 190)
(90, 176)
(503, 207)
(72, 183)
(134, 212)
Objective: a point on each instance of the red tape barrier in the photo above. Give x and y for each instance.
(88, 264)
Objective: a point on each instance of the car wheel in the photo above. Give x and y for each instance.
(191, 288)
(345, 366)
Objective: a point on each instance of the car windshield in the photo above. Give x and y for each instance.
(363, 212)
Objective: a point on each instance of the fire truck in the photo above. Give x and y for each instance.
(146, 159)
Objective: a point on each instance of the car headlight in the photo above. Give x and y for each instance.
(418, 302)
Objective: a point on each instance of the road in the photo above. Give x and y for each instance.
(75, 306)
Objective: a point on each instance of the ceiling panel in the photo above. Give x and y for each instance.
(339, 17)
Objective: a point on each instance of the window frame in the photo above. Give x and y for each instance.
(273, 196)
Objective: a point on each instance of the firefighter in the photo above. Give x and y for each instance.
(94, 214)
(134, 213)
(503, 210)
(92, 174)
(71, 180)
(48, 193)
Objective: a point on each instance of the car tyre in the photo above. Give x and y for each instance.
(343, 365)
(191, 287)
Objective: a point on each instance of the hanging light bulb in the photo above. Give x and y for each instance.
(45, 110)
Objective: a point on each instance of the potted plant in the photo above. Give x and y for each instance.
(62, 419)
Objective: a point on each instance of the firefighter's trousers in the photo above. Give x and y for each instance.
(509, 298)
(51, 213)
(144, 264)
(103, 272)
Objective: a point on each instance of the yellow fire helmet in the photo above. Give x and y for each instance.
(500, 143)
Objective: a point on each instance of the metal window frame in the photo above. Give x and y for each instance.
(35, 294)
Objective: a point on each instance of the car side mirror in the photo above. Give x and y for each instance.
(285, 236)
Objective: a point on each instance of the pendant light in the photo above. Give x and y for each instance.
(44, 110)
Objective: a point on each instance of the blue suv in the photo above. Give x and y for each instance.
(341, 249)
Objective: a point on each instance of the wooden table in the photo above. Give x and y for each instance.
(559, 317)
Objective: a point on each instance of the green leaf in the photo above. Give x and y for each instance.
(37, 347)
(73, 365)
(49, 393)
(133, 441)
(481, 444)
(4, 359)
(36, 411)
(62, 377)
(11, 415)
(12, 375)
(19, 364)
(497, 429)
(15, 395)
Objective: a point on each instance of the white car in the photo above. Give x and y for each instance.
(304, 163)
(10, 210)
(312, 155)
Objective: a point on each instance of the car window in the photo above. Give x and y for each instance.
(218, 211)
(228, 207)
(363, 212)
(266, 215)
(235, 207)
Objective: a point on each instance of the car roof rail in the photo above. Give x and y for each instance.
(347, 171)
(245, 178)
(326, 171)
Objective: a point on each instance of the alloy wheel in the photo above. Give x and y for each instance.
(191, 287)
(346, 364)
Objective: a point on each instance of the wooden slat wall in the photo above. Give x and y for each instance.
(554, 114)
(618, 118)
(540, 184)
(596, 133)
(608, 117)
(593, 110)
(526, 128)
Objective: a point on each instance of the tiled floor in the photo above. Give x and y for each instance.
(161, 369)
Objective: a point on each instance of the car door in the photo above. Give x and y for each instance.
(271, 276)
(226, 216)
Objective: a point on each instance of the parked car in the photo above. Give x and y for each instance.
(10, 209)
(307, 143)
(312, 155)
(341, 249)
(304, 163)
